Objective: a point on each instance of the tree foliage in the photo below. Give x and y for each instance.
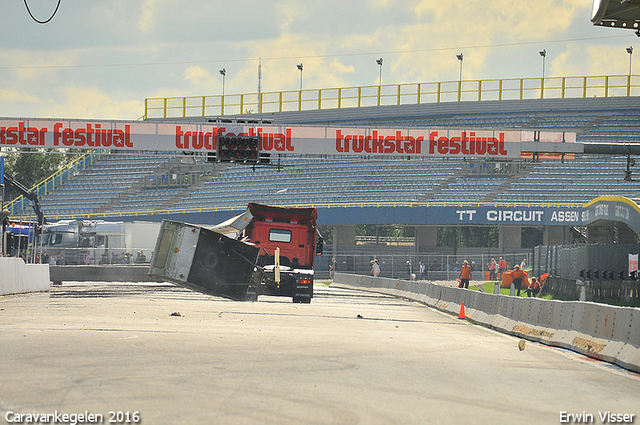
(468, 237)
(391, 231)
(32, 166)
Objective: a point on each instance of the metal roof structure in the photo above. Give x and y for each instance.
(617, 14)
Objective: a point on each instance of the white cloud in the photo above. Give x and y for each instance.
(202, 78)
(146, 21)
(168, 48)
(92, 103)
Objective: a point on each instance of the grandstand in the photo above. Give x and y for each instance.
(352, 190)
(121, 183)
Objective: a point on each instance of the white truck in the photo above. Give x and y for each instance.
(94, 242)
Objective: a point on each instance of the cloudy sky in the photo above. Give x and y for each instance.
(102, 58)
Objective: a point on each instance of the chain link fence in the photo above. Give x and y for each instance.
(597, 272)
(437, 266)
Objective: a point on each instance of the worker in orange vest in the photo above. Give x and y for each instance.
(534, 287)
(465, 274)
(502, 266)
(517, 275)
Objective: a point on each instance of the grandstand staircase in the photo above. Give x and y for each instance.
(171, 202)
(491, 196)
(429, 195)
(211, 171)
(594, 124)
(125, 194)
(522, 171)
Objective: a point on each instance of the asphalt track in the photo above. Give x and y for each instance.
(180, 357)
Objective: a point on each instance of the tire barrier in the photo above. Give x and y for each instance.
(20, 278)
(599, 331)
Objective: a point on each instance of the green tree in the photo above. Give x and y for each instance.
(531, 237)
(468, 237)
(32, 166)
(391, 231)
(327, 233)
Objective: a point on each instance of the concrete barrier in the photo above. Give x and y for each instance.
(20, 278)
(102, 273)
(433, 293)
(600, 331)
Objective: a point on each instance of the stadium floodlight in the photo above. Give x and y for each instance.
(630, 51)
(379, 62)
(460, 58)
(299, 66)
(223, 72)
(543, 53)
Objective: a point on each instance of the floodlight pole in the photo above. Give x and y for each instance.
(379, 62)
(460, 58)
(223, 72)
(299, 66)
(630, 51)
(543, 53)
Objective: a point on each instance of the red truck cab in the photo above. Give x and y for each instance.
(293, 230)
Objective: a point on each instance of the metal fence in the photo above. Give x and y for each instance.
(598, 272)
(437, 266)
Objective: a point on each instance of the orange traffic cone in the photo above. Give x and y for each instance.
(461, 315)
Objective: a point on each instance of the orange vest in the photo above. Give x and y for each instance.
(517, 273)
(465, 273)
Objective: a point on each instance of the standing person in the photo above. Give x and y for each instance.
(492, 269)
(422, 269)
(60, 259)
(502, 267)
(332, 267)
(523, 265)
(465, 275)
(376, 268)
(517, 275)
(408, 270)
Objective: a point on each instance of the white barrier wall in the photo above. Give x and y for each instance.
(16, 277)
(597, 330)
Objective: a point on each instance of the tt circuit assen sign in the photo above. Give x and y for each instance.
(609, 208)
(492, 215)
(188, 137)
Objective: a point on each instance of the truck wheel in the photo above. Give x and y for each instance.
(252, 294)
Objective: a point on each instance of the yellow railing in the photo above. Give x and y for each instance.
(394, 94)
